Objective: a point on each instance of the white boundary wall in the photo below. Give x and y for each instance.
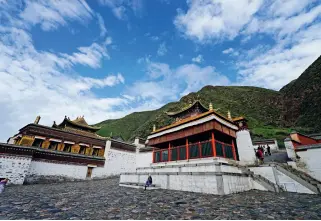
(14, 167)
(117, 161)
(55, 171)
(311, 161)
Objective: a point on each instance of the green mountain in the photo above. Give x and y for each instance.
(302, 99)
(271, 114)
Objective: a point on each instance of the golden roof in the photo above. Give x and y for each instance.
(78, 122)
(238, 118)
(192, 119)
(186, 108)
(85, 133)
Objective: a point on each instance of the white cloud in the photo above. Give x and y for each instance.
(196, 77)
(162, 50)
(51, 14)
(90, 56)
(277, 66)
(206, 20)
(120, 7)
(145, 59)
(181, 56)
(292, 25)
(154, 38)
(103, 30)
(228, 51)
(198, 59)
(119, 12)
(167, 84)
(38, 82)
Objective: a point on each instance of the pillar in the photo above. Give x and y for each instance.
(169, 151)
(245, 147)
(213, 144)
(107, 148)
(233, 148)
(187, 151)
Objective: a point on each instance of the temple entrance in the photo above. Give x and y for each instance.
(89, 172)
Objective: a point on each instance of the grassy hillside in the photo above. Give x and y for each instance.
(271, 114)
(302, 99)
(260, 106)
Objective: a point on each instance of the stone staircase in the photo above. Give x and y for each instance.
(138, 186)
(301, 177)
(270, 186)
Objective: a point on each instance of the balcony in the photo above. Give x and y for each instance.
(197, 150)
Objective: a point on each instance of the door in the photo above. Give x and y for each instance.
(89, 172)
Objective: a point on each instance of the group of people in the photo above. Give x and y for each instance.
(261, 151)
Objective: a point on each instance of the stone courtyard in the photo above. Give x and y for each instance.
(104, 199)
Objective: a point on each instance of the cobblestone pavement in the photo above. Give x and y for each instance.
(104, 199)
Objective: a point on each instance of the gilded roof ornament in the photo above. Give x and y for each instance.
(229, 115)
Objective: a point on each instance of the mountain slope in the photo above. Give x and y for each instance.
(302, 98)
(260, 106)
(271, 114)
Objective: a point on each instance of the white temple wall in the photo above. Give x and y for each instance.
(311, 162)
(117, 161)
(290, 149)
(144, 159)
(245, 147)
(235, 184)
(42, 171)
(14, 167)
(197, 183)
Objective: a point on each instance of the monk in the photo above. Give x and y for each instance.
(3, 183)
(149, 181)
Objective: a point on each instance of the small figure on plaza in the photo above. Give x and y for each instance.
(268, 150)
(3, 183)
(149, 181)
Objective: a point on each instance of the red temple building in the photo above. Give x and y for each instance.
(198, 132)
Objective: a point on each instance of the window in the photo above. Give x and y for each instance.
(53, 145)
(157, 157)
(82, 150)
(206, 149)
(174, 154)
(219, 149)
(67, 147)
(193, 151)
(95, 152)
(165, 155)
(228, 151)
(182, 153)
(37, 143)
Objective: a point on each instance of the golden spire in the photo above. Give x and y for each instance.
(37, 120)
(211, 106)
(229, 114)
(154, 128)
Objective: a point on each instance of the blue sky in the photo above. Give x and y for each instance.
(107, 58)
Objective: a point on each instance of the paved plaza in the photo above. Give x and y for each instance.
(104, 199)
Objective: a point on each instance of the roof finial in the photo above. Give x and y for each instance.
(37, 120)
(229, 114)
(211, 106)
(154, 128)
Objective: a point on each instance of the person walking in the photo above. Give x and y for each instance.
(149, 181)
(268, 150)
(3, 183)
